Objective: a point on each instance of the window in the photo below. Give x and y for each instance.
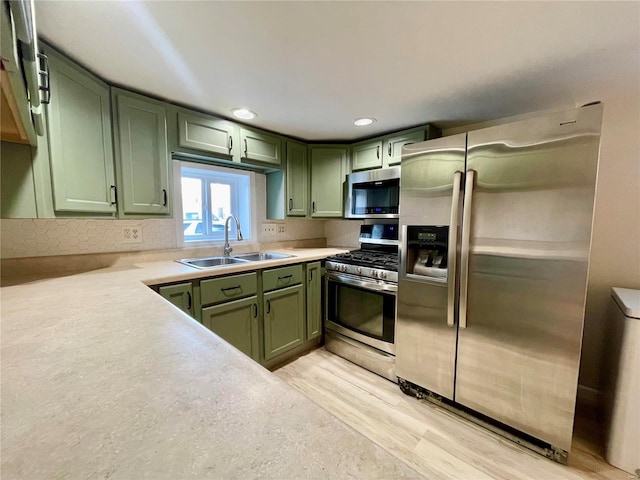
(209, 195)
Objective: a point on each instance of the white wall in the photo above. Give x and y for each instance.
(615, 250)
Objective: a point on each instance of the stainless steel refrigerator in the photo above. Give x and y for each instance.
(494, 255)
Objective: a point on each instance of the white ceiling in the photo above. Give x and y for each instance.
(310, 68)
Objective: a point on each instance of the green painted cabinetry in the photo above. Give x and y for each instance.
(314, 300)
(207, 134)
(143, 155)
(284, 320)
(180, 294)
(80, 139)
(297, 179)
(237, 323)
(366, 155)
(284, 309)
(260, 147)
(394, 143)
(328, 171)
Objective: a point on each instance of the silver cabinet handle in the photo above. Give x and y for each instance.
(378, 152)
(453, 240)
(114, 195)
(43, 73)
(230, 143)
(290, 204)
(464, 250)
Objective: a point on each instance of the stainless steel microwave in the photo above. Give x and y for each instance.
(373, 194)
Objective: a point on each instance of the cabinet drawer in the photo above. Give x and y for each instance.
(218, 290)
(281, 277)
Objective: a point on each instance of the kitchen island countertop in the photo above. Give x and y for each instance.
(102, 378)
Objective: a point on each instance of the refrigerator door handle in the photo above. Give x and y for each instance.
(464, 250)
(453, 240)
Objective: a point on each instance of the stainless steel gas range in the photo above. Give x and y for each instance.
(360, 313)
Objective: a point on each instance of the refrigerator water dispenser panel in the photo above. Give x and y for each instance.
(427, 251)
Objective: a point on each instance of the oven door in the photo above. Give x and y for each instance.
(362, 309)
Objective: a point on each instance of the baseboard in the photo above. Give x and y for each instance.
(590, 398)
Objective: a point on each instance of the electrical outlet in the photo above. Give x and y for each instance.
(268, 229)
(281, 229)
(132, 234)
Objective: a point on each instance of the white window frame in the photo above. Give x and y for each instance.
(179, 213)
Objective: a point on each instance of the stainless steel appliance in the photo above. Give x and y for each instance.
(373, 194)
(360, 313)
(494, 254)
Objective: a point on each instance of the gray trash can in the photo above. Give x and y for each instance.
(623, 386)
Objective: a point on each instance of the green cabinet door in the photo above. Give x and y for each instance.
(208, 134)
(393, 146)
(181, 295)
(314, 300)
(260, 147)
(80, 151)
(365, 155)
(237, 323)
(328, 171)
(143, 155)
(284, 320)
(297, 179)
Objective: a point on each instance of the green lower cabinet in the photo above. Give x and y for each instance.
(181, 295)
(284, 320)
(314, 300)
(237, 323)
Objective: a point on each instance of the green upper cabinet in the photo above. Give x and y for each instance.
(392, 144)
(366, 155)
(143, 155)
(260, 147)
(314, 300)
(328, 172)
(297, 179)
(207, 134)
(80, 151)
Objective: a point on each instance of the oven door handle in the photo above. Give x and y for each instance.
(367, 285)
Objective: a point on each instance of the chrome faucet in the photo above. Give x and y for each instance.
(227, 247)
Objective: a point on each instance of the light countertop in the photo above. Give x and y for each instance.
(102, 378)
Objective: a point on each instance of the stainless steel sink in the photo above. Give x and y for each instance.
(211, 262)
(258, 256)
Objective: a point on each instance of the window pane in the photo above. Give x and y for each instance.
(220, 205)
(192, 206)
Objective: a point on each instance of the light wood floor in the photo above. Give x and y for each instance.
(433, 441)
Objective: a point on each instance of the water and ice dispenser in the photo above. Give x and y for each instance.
(427, 251)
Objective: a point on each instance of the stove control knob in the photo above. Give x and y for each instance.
(383, 274)
(344, 268)
(358, 270)
(374, 273)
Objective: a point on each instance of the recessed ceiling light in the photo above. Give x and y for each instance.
(363, 122)
(243, 113)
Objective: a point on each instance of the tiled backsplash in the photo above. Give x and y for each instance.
(46, 237)
(43, 236)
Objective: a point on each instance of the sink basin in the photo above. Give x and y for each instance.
(211, 262)
(258, 256)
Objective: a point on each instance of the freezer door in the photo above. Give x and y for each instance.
(523, 299)
(431, 178)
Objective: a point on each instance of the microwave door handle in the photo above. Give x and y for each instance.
(453, 240)
(464, 250)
